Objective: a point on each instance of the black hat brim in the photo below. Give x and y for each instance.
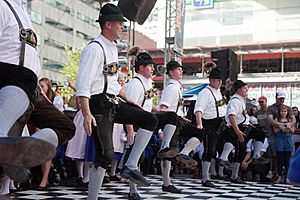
(111, 18)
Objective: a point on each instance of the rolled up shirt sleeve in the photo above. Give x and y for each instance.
(90, 66)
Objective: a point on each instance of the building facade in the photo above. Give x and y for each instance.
(59, 24)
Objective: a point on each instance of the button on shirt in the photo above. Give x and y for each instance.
(90, 79)
(10, 44)
(236, 106)
(135, 91)
(171, 95)
(206, 103)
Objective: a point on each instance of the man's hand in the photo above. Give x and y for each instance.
(88, 121)
(200, 126)
(130, 134)
(245, 164)
(241, 136)
(130, 138)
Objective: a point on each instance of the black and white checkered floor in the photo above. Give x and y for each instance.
(192, 189)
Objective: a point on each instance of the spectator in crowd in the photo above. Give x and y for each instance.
(296, 135)
(283, 141)
(255, 172)
(272, 112)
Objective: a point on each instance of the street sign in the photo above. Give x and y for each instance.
(200, 4)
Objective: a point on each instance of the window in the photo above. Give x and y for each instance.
(36, 17)
(54, 43)
(61, 7)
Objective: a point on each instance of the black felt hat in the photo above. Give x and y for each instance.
(172, 65)
(142, 58)
(238, 84)
(215, 73)
(110, 12)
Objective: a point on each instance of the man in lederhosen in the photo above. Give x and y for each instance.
(19, 68)
(238, 132)
(97, 89)
(140, 90)
(210, 111)
(171, 100)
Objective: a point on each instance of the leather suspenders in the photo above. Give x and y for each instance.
(104, 64)
(23, 34)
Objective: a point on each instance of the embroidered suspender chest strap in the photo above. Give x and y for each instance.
(23, 34)
(216, 103)
(104, 64)
(144, 90)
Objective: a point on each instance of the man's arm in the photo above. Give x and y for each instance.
(88, 117)
(199, 119)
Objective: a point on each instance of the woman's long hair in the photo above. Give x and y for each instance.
(50, 93)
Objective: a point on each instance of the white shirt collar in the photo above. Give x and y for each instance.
(106, 42)
(177, 83)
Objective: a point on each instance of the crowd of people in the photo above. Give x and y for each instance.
(115, 124)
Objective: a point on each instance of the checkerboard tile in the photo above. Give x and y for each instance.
(191, 189)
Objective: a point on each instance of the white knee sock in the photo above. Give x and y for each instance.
(228, 147)
(5, 185)
(169, 130)
(205, 170)
(257, 147)
(213, 167)
(13, 103)
(165, 171)
(132, 187)
(96, 179)
(48, 135)
(235, 170)
(190, 146)
(140, 142)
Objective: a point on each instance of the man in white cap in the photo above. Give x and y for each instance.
(272, 114)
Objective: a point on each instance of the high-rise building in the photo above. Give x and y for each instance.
(60, 23)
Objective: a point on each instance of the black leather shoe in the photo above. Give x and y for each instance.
(25, 151)
(237, 180)
(187, 161)
(106, 179)
(260, 161)
(134, 196)
(135, 176)
(17, 174)
(224, 163)
(171, 189)
(208, 183)
(167, 152)
(114, 178)
(217, 177)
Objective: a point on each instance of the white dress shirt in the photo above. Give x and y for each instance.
(206, 103)
(237, 106)
(90, 78)
(10, 44)
(135, 91)
(171, 95)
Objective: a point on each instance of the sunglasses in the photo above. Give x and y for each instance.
(261, 102)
